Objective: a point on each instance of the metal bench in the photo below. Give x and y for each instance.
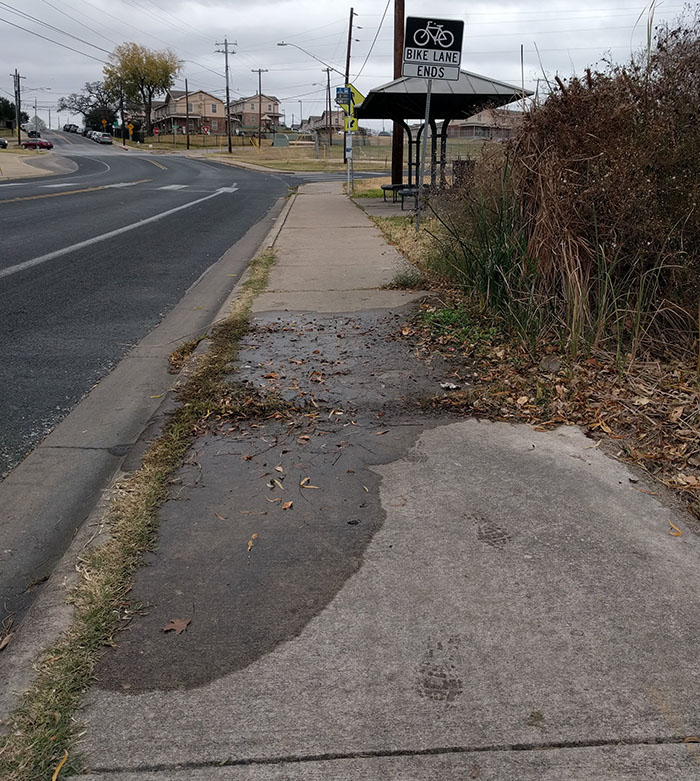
(393, 189)
(408, 192)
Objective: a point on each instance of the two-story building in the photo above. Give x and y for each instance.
(319, 124)
(207, 113)
(246, 113)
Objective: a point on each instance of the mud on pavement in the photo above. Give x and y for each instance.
(247, 572)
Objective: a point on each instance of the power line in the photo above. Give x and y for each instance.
(31, 18)
(50, 40)
(77, 21)
(376, 35)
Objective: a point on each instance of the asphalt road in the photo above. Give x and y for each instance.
(91, 260)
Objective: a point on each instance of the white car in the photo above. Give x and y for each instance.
(102, 138)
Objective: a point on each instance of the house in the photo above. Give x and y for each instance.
(207, 113)
(492, 124)
(246, 113)
(319, 124)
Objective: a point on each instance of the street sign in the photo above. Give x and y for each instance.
(104, 123)
(130, 126)
(115, 124)
(205, 128)
(343, 95)
(433, 48)
(156, 131)
(351, 124)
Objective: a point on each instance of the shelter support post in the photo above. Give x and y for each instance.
(433, 153)
(443, 153)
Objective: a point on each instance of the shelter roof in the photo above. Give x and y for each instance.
(404, 98)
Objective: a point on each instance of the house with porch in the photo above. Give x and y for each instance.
(247, 112)
(207, 113)
(492, 124)
(319, 124)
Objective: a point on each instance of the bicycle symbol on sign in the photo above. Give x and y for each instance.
(435, 33)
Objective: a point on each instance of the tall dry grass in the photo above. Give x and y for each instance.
(587, 225)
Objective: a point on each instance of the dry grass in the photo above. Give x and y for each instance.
(45, 725)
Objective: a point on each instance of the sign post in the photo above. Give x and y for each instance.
(432, 50)
(347, 98)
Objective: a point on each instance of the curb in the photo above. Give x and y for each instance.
(51, 613)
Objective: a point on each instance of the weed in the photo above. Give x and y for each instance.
(44, 726)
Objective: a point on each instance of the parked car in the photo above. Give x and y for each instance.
(3, 143)
(103, 138)
(36, 143)
(34, 134)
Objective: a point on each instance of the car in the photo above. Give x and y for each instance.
(34, 134)
(103, 138)
(3, 143)
(36, 143)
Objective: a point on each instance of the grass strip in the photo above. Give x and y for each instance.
(44, 726)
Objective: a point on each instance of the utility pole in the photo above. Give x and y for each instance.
(187, 115)
(49, 119)
(347, 82)
(328, 105)
(397, 137)
(260, 72)
(18, 100)
(301, 113)
(226, 44)
(36, 118)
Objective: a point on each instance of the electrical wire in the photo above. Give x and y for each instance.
(376, 35)
(29, 17)
(50, 40)
(77, 21)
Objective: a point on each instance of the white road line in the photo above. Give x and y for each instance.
(119, 184)
(173, 187)
(63, 184)
(89, 242)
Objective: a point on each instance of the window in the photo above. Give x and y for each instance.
(190, 106)
(215, 124)
(213, 108)
(269, 106)
(252, 106)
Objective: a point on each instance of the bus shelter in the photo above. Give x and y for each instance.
(404, 99)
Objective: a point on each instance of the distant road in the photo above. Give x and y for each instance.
(91, 261)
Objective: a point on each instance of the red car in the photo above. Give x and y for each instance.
(36, 143)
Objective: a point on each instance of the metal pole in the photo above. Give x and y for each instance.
(328, 103)
(225, 44)
(301, 113)
(18, 111)
(421, 174)
(397, 137)
(187, 115)
(260, 72)
(347, 83)
(36, 118)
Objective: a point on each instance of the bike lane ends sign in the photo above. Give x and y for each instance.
(432, 48)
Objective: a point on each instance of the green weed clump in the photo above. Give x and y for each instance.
(586, 227)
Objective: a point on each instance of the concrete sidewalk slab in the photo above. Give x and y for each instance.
(443, 598)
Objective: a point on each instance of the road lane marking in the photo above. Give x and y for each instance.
(72, 192)
(111, 234)
(173, 187)
(158, 165)
(64, 184)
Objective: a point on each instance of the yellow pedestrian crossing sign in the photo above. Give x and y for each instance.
(351, 124)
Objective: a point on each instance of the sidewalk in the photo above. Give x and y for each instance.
(445, 598)
(16, 166)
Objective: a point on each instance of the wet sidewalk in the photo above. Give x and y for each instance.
(380, 592)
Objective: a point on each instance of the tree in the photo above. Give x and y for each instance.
(95, 102)
(139, 74)
(7, 113)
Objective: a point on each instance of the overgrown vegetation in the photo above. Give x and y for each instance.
(43, 728)
(586, 227)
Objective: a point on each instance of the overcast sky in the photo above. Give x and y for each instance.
(569, 37)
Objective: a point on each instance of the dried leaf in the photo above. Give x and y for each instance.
(177, 625)
(304, 481)
(267, 499)
(304, 438)
(522, 400)
(691, 739)
(676, 414)
(381, 433)
(277, 483)
(220, 517)
(278, 468)
(641, 401)
(251, 541)
(287, 505)
(6, 641)
(271, 376)
(674, 531)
